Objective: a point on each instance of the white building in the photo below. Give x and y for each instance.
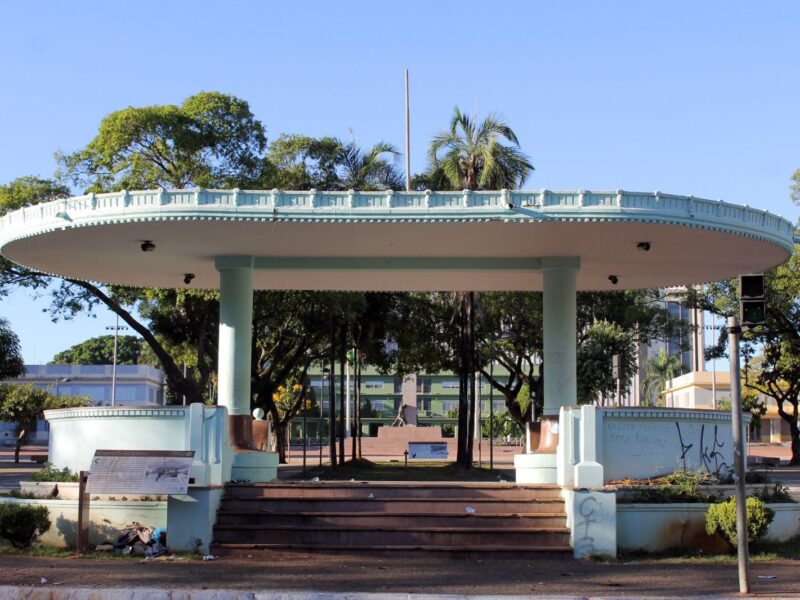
(138, 385)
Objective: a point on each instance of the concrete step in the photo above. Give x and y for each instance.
(262, 551)
(543, 537)
(378, 519)
(392, 505)
(389, 490)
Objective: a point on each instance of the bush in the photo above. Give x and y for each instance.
(50, 473)
(22, 524)
(721, 518)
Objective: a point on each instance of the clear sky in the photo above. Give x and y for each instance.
(684, 97)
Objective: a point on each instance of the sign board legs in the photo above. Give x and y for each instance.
(82, 543)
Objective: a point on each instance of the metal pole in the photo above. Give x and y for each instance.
(305, 433)
(321, 415)
(491, 403)
(114, 368)
(713, 364)
(408, 140)
(738, 456)
(347, 432)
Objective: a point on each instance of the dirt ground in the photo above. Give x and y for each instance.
(409, 573)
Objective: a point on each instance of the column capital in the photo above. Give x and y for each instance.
(560, 262)
(225, 263)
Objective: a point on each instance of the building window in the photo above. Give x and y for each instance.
(423, 385)
(424, 403)
(398, 385)
(448, 405)
(373, 385)
(450, 385)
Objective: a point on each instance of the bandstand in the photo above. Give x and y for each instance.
(237, 241)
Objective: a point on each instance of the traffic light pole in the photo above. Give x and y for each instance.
(738, 456)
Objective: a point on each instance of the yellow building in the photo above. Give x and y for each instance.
(711, 390)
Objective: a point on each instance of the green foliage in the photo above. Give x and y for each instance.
(100, 351)
(23, 404)
(775, 493)
(212, 139)
(21, 192)
(22, 524)
(504, 425)
(25, 191)
(721, 518)
(776, 373)
(658, 371)
(678, 486)
(472, 155)
(299, 162)
(595, 376)
(49, 473)
(11, 363)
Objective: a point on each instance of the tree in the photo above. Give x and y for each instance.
(23, 404)
(19, 193)
(472, 155)
(601, 343)
(11, 363)
(302, 163)
(100, 351)
(658, 371)
(211, 139)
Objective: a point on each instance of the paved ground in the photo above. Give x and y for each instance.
(382, 575)
(411, 573)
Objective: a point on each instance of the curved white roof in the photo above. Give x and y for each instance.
(395, 240)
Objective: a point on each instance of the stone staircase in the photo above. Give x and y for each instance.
(390, 516)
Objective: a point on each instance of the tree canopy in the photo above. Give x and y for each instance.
(100, 351)
(11, 363)
(472, 156)
(211, 139)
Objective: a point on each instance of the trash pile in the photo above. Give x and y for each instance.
(139, 540)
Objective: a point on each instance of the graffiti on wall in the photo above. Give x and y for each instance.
(711, 457)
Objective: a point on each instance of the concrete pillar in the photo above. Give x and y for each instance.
(560, 333)
(235, 344)
(560, 372)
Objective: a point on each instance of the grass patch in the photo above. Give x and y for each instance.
(57, 552)
(760, 552)
(366, 470)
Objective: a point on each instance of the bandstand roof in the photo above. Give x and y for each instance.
(395, 240)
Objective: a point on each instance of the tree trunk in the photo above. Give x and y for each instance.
(470, 371)
(18, 443)
(342, 390)
(462, 458)
(280, 437)
(794, 430)
(358, 400)
(332, 399)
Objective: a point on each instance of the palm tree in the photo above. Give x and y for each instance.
(372, 170)
(659, 371)
(472, 156)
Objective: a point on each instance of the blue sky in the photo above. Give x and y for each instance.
(685, 97)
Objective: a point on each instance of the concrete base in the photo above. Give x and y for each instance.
(592, 520)
(255, 467)
(191, 518)
(535, 468)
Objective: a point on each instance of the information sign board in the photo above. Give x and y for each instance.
(427, 450)
(157, 472)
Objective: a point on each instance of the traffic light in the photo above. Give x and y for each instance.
(752, 305)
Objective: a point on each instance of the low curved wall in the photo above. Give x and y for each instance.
(76, 433)
(598, 445)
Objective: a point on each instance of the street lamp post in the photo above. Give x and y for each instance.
(116, 327)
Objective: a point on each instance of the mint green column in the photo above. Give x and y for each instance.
(235, 332)
(560, 333)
